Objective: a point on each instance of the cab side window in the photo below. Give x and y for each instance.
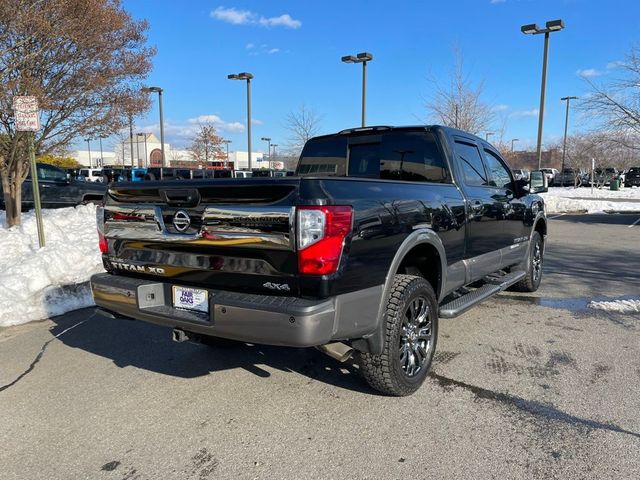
(499, 174)
(51, 174)
(470, 160)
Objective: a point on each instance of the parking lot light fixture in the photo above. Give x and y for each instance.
(513, 140)
(487, 135)
(533, 29)
(363, 58)
(227, 142)
(268, 140)
(246, 76)
(158, 90)
(88, 140)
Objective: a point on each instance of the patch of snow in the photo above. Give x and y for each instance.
(38, 283)
(569, 199)
(620, 306)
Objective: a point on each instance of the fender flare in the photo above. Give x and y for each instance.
(424, 236)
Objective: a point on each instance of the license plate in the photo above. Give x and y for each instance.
(191, 299)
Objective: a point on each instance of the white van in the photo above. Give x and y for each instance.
(92, 174)
(242, 174)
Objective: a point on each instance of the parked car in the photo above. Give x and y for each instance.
(242, 174)
(58, 189)
(602, 176)
(403, 225)
(550, 173)
(93, 174)
(632, 177)
(568, 177)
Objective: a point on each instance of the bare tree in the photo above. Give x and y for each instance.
(616, 104)
(206, 145)
(86, 80)
(302, 124)
(457, 102)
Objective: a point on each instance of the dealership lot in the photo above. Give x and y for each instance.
(524, 386)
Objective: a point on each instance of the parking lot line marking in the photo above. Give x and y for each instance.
(556, 216)
(634, 223)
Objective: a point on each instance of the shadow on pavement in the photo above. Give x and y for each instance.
(149, 347)
(604, 218)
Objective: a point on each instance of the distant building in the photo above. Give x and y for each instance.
(147, 152)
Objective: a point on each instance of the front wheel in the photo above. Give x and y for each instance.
(410, 335)
(531, 281)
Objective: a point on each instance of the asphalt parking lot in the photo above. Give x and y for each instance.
(523, 386)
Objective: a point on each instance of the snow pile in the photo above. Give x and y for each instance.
(39, 283)
(569, 199)
(620, 306)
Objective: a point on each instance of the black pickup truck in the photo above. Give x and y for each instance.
(381, 231)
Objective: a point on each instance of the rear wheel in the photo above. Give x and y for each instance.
(411, 329)
(531, 281)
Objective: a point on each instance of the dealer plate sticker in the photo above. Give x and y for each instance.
(191, 299)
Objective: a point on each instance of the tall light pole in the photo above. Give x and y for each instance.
(131, 138)
(226, 162)
(146, 155)
(564, 142)
(268, 140)
(89, 149)
(487, 135)
(246, 76)
(273, 145)
(363, 58)
(533, 29)
(138, 149)
(513, 140)
(158, 90)
(101, 155)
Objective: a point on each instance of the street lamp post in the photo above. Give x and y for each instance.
(131, 138)
(564, 142)
(226, 162)
(363, 58)
(268, 140)
(533, 29)
(101, 154)
(487, 135)
(138, 149)
(89, 149)
(513, 140)
(158, 90)
(273, 145)
(246, 76)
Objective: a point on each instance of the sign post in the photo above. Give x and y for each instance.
(27, 117)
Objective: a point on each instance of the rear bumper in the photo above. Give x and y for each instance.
(272, 320)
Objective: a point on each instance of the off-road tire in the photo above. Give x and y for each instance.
(384, 372)
(531, 281)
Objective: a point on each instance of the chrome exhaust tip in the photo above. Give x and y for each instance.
(337, 350)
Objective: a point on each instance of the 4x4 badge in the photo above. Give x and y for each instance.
(181, 221)
(282, 287)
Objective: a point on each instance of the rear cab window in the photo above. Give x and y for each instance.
(408, 155)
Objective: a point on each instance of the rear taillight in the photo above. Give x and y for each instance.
(102, 240)
(321, 232)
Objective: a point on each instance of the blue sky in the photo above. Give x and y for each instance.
(294, 49)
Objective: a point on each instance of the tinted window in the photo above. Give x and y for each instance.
(471, 162)
(407, 155)
(325, 156)
(51, 174)
(499, 174)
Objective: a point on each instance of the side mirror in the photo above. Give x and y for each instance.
(538, 182)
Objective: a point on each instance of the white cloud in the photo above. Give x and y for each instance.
(589, 73)
(281, 21)
(217, 122)
(613, 65)
(273, 50)
(233, 15)
(526, 113)
(236, 16)
(500, 107)
(255, 121)
(497, 1)
(249, 46)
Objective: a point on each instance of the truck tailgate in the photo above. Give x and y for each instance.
(227, 234)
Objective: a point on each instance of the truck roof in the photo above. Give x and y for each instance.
(394, 128)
